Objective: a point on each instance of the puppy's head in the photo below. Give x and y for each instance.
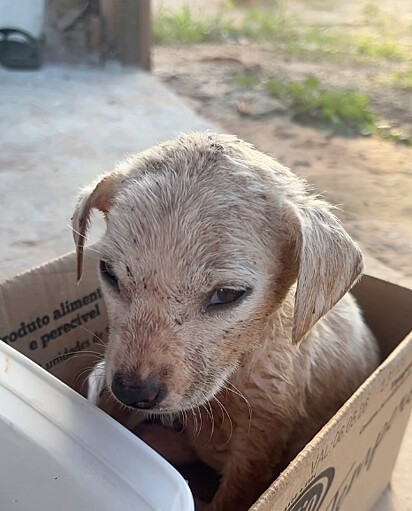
(205, 237)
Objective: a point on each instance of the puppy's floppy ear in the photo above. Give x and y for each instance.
(329, 263)
(96, 196)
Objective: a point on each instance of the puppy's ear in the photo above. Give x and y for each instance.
(329, 263)
(96, 196)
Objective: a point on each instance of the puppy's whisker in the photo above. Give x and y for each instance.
(84, 371)
(219, 404)
(97, 354)
(95, 336)
(238, 393)
(194, 419)
(223, 408)
(209, 411)
(184, 420)
(102, 344)
(91, 249)
(76, 231)
(200, 423)
(70, 357)
(197, 422)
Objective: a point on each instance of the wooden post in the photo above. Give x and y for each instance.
(134, 32)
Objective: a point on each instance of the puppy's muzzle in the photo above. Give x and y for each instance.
(136, 393)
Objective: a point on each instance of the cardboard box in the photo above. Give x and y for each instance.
(48, 317)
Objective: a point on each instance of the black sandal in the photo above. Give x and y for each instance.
(18, 49)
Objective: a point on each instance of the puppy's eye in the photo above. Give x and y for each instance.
(107, 273)
(225, 295)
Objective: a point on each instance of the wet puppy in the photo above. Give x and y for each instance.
(225, 283)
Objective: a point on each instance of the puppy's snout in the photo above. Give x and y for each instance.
(134, 392)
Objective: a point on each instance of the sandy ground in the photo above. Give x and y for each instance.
(367, 177)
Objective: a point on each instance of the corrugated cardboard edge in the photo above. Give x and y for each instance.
(40, 291)
(268, 499)
(40, 267)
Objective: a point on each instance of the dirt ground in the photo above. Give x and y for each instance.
(369, 178)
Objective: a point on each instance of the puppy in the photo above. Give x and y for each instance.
(225, 283)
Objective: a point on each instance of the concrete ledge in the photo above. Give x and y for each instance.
(61, 127)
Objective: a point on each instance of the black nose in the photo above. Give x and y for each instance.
(136, 393)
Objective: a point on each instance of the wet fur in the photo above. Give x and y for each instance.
(252, 383)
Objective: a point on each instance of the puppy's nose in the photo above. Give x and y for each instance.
(136, 393)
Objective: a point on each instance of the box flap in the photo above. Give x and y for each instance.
(51, 319)
(387, 309)
(350, 461)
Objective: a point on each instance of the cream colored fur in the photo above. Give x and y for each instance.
(252, 383)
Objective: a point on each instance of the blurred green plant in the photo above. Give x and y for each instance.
(244, 81)
(387, 23)
(357, 46)
(402, 79)
(266, 25)
(271, 25)
(340, 110)
(182, 26)
(374, 49)
(371, 10)
(334, 108)
(258, 25)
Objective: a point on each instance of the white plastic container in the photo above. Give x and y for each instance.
(59, 452)
(27, 15)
